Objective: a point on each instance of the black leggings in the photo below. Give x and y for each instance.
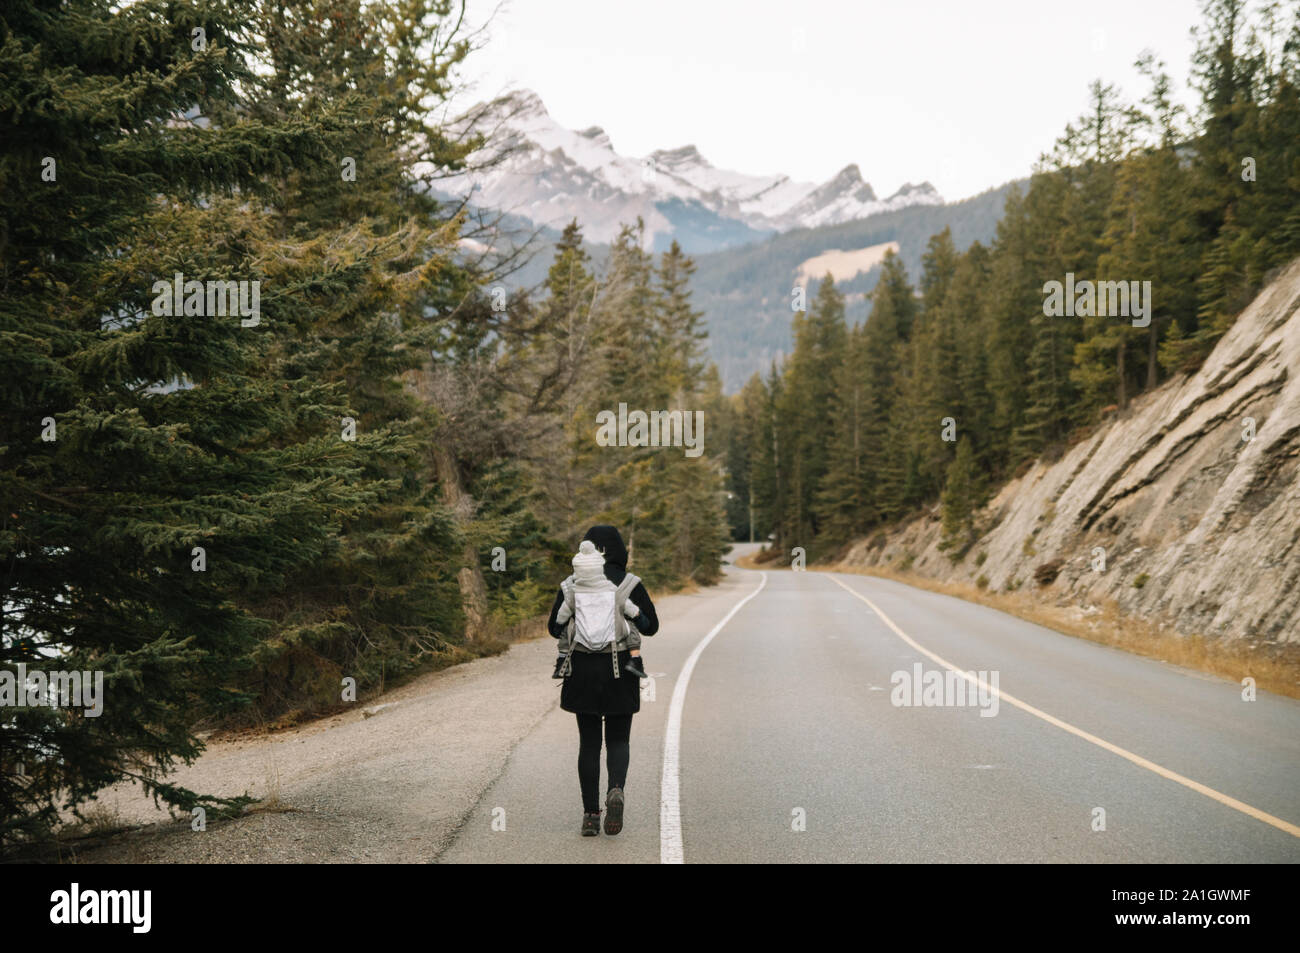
(618, 729)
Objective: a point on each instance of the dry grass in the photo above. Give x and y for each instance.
(273, 803)
(764, 558)
(97, 824)
(97, 820)
(271, 806)
(1276, 669)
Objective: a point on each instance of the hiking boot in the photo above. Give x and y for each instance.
(614, 811)
(591, 824)
(559, 666)
(633, 667)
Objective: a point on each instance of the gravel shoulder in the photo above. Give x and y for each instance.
(389, 788)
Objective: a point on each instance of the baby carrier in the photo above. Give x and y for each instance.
(596, 620)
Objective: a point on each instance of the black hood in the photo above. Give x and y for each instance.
(610, 543)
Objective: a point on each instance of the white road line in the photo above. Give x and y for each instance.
(1102, 743)
(670, 805)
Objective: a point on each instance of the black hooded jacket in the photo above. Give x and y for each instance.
(610, 543)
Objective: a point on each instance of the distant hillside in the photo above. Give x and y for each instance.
(745, 293)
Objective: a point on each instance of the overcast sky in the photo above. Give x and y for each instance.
(964, 93)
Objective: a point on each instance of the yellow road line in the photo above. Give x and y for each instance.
(1140, 761)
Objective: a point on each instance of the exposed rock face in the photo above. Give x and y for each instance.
(1170, 490)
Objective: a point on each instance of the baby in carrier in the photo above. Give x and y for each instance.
(591, 612)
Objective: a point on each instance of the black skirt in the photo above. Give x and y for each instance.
(592, 689)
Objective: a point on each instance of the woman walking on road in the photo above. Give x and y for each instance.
(600, 680)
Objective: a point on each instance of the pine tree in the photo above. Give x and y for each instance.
(930, 393)
(1226, 79)
(185, 474)
(806, 406)
(962, 496)
(679, 360)
(844, 499)
(893, 310)
(968, 388)
(743, 453)
(1012, 294)
(377, 278)
(771, 466)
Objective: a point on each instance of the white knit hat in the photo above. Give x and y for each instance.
(588, 565)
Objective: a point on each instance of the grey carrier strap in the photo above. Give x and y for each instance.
(620, 600)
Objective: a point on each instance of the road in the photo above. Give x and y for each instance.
(788, 747)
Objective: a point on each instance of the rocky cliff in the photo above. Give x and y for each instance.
(1183, 511)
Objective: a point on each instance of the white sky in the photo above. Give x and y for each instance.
(964, 93)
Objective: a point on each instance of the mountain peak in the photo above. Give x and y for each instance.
(554, 173)
(848, 181)
(522, 103)
(597, 135)
(679, 157)
(850, 173)
(908, 190)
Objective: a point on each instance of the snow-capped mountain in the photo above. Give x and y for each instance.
(550, 175)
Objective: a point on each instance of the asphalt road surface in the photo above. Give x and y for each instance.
(773, 736)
